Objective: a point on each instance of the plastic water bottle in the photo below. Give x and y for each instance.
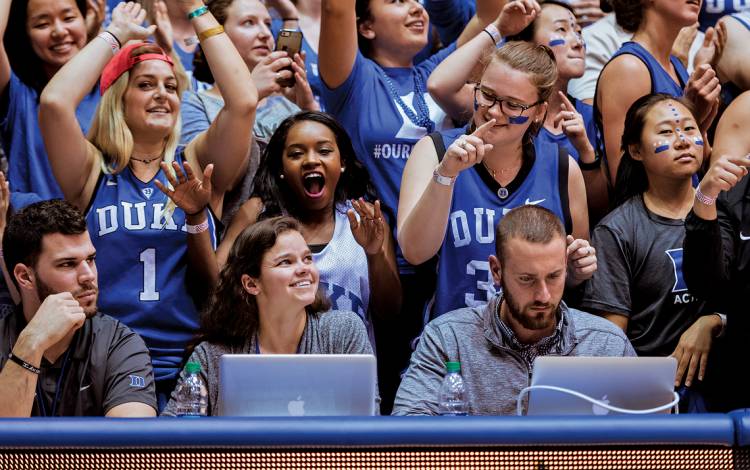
(452, 396)
(192, 396)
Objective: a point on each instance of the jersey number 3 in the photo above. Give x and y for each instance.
(149, 292)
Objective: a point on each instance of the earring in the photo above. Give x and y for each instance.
(343, 169)
(281, 176)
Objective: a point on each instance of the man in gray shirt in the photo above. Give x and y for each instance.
(58, 355)
(497, 344)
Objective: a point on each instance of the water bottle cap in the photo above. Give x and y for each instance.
(192, 367)
(453, 366)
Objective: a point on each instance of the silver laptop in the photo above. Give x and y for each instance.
(297, 385)
(634, 383)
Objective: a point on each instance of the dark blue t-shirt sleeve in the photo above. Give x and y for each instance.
(450, 17)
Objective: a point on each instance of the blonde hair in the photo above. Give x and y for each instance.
(537, 61)
(110, 133)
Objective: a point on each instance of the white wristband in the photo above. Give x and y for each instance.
(110, 39)
(196, 229)
(707, 200)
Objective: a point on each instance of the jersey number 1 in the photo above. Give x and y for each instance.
(148, 258)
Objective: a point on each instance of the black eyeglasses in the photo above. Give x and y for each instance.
(508, 107)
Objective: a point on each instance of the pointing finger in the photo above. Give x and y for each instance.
(481, 130)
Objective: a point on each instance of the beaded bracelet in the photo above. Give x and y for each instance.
(198, 12)
(707, 200)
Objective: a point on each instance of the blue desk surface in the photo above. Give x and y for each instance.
(710, 429)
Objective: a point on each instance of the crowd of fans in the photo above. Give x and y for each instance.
(483, 181)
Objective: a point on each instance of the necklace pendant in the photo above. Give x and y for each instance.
(502, 193)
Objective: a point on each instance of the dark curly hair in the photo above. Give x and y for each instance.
(22, 242)
(628, 13)
(23, 60)
(274, 192)
(232, 315)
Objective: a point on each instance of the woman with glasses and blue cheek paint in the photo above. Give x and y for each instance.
(461, 193)
(569, 123)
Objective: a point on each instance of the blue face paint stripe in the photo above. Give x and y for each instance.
(518, 119)
(698, 141)
(557, 42)
(661, 148)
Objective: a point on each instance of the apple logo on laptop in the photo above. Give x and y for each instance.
(296, 407)
(600, 410)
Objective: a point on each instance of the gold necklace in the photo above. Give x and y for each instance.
(502, 171)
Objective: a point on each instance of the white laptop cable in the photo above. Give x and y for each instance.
(594, 401)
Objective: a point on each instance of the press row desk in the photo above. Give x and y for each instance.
(712, 441)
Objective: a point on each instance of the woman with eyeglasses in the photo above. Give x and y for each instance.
(459, 183)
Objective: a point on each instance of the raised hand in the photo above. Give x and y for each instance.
(574, 127)
(581, 260)
(466, 151)
(683, 42)
(189, 194)
(724, 174)
(516, 15)
(269, 71)
(95, 10)
(164, 34)
(301, 93)
(127, 23)
(587, 11)
(713, 46)
(58, 315)
(703, 90)
(369, 230)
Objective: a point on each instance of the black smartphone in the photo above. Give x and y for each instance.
(289, 41)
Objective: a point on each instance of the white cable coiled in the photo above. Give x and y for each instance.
(519, 401)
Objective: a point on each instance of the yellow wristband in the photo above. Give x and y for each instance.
(203, 35)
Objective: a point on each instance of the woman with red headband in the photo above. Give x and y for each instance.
(145, 245)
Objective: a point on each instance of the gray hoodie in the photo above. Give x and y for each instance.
(494, 372)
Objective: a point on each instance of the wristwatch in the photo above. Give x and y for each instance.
(442, 180)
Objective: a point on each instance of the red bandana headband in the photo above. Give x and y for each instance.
(124, 61)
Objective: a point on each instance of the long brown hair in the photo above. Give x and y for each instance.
(232, 316)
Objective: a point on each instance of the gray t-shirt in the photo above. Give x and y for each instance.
(107, 364)
(334, 332)
(639, 275)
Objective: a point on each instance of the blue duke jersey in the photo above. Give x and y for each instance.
(344, 276)
(713, 10)
(381, 128)
(661, 81)
(464, 278)
(142, 264)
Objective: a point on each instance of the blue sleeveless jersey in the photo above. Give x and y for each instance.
(661, 81)
(142, 264)
(587, 113)
(464, 278)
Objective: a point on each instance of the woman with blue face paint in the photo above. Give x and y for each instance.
(569, 123)
(451, 200)
(639, 284)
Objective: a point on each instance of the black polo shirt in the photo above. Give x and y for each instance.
(107, 364)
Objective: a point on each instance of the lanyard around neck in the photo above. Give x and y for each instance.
(58, 388)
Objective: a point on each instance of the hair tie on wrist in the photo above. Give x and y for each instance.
(198, 12)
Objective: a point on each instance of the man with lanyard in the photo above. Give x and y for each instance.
(58, 356)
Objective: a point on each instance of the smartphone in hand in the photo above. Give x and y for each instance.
(289, 41)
